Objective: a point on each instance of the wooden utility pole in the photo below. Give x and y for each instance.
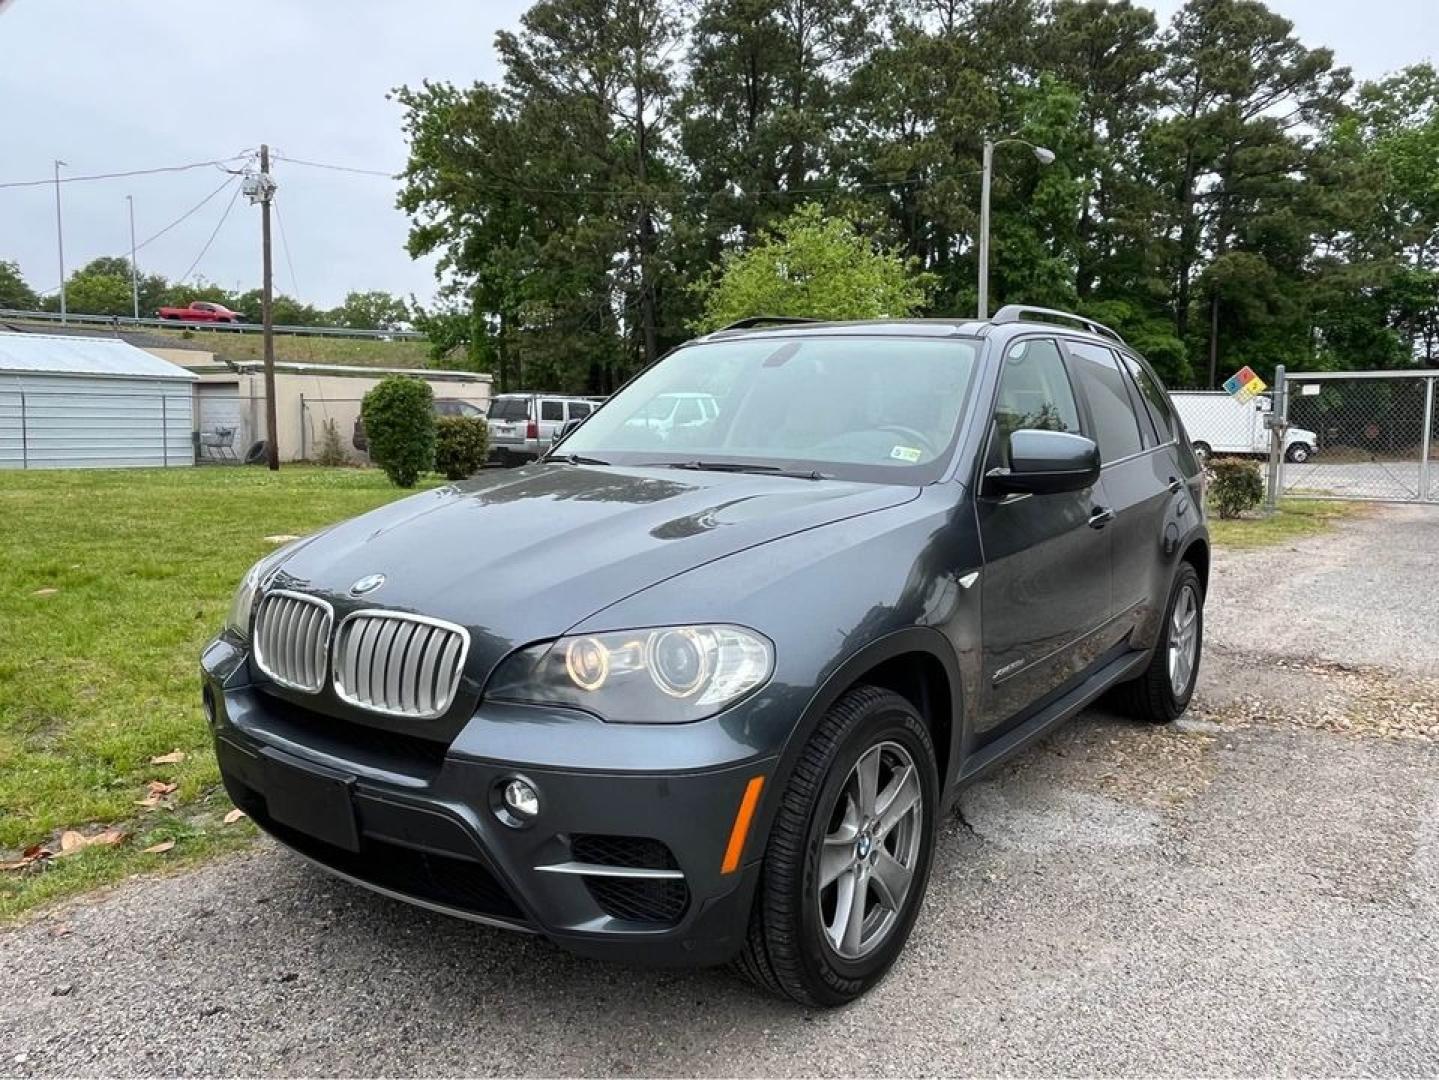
(267, 323)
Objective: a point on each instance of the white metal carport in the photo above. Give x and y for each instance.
(76, 402)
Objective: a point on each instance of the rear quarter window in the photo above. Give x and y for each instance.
(1116, 426)
(1156, 401)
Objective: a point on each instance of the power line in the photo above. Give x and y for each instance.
(285, 244)
(221, 162)
(228, 207)
(335, 168)
(223, 185)
(230, 179)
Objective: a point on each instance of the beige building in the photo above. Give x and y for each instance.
(230, 396)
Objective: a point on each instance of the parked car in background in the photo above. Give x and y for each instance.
(1218, 424)
(201, 311)
(670, 412)
(708, 694)
(443, 407)
(523, 426)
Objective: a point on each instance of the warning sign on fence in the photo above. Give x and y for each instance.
(1244, 385)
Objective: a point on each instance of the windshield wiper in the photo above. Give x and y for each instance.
(745, 467)
(576, 459)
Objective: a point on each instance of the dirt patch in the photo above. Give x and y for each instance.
(1320, 694)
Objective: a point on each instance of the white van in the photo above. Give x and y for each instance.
(1217, 424)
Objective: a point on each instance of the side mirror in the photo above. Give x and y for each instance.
(1046, 462)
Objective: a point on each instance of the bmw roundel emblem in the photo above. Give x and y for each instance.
(367, 584)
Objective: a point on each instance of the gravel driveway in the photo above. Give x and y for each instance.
(1253, 890)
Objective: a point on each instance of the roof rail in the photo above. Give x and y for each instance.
(764, 320)
(1016, 312)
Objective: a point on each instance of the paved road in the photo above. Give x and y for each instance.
(1253, 890)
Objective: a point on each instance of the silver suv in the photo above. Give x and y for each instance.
(522, 426)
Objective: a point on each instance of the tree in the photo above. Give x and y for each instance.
(763, 104)
(816, 267)
(284, 310)
(1384, 307)
(1219, 192)
(374, 310)
(98, 294)
(14, 293)
(1243, 96)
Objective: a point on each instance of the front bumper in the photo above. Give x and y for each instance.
(423, 823)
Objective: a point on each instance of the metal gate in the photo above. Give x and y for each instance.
(1375, 435)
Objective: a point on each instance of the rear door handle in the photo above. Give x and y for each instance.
(1100, 516)
(1176, 485)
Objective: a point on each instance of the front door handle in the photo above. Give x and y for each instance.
(1176, 485)
(1100, 516)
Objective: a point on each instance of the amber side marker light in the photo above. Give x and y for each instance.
(742, 819)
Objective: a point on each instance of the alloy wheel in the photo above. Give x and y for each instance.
(870, 850)
(1183, 639)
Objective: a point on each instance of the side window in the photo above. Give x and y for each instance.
(552, 410)
(579, 409)
(1034, 394)
(1161, 411)
(688, 412)
(1116, 428)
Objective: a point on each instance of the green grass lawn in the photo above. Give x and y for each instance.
(113, 580)
(311, 349)
(1294, 519)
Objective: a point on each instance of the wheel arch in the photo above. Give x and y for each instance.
(920, 665)
(1196, 553)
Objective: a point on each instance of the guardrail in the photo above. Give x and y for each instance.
(118, 321)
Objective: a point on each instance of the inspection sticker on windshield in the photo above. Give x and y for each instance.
(906, 453)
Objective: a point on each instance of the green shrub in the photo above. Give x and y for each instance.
(461, 445)
(399, 421)
(1236, 485)
(331, 451)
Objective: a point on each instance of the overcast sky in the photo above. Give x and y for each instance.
(114, 85)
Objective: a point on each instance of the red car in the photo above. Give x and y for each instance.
(201, 311)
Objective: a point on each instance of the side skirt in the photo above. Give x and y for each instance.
(1050, 717)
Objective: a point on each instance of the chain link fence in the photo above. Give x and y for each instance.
(1375, 436)
(330, 426)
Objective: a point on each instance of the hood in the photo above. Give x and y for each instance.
(522, 555)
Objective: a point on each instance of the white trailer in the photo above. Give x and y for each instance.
(1218, 424)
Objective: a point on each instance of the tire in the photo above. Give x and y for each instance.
(1203, 452)
(1153, 696)
(1299, 453)
(789, 950)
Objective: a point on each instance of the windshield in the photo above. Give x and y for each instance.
(863, 408)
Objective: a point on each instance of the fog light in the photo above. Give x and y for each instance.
(521, 799)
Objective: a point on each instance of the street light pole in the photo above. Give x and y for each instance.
(134, 273)
(1041, 154)
(60, 239)
(984, 229)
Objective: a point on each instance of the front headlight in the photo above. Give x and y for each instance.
(242, 607)
(662, 675)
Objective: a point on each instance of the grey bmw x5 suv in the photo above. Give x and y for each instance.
(701, 694)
